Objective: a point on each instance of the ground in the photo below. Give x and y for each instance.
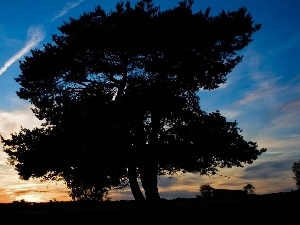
(279, 207)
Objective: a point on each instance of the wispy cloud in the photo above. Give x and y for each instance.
(35, 35)
(289, 145)
(66, 9)
(264, 90)
(287, 117)
(269, 169)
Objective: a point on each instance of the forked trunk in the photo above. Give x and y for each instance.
(148, 172)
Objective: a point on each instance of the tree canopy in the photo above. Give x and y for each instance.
(118, 94)
(249, 189)
(296, 172)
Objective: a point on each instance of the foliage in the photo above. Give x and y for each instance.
(118, 94)
(206, 191)
(296, 171)
(249, 188)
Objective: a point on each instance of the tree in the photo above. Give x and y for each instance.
(296, 171)
(206, 191)
(249, 189)
(118, 94)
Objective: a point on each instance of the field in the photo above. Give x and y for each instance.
(279, 207)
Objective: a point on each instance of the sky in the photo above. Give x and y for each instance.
(262, 94)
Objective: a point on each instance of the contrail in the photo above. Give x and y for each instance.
(66, 9)
(34, 35)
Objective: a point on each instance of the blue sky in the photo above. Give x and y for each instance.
(261, 94)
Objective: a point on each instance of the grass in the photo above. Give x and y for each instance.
(255, 208)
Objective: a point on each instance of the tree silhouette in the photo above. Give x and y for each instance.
(118, 94)
(206, 191)
(296, 171)
(249, 188)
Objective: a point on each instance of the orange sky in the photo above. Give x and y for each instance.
(13, 189)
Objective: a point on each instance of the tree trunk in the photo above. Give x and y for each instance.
(148, 172)
(149, 167)
(134, 186)
(149, 181)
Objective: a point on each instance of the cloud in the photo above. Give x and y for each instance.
(230, 114)
(287, 116)
(11, 121)
(12, 187)
(35, 35)
(291, 106)
(269, 169)
(280, 106)
(286, 142)
(265, 90)
(67, 8)
(31, 191)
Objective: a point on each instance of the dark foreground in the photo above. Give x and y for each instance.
(277, 207)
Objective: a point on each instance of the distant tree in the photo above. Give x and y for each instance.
(206, 191)
(118, 92)
(249, 189)
(296, 171)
